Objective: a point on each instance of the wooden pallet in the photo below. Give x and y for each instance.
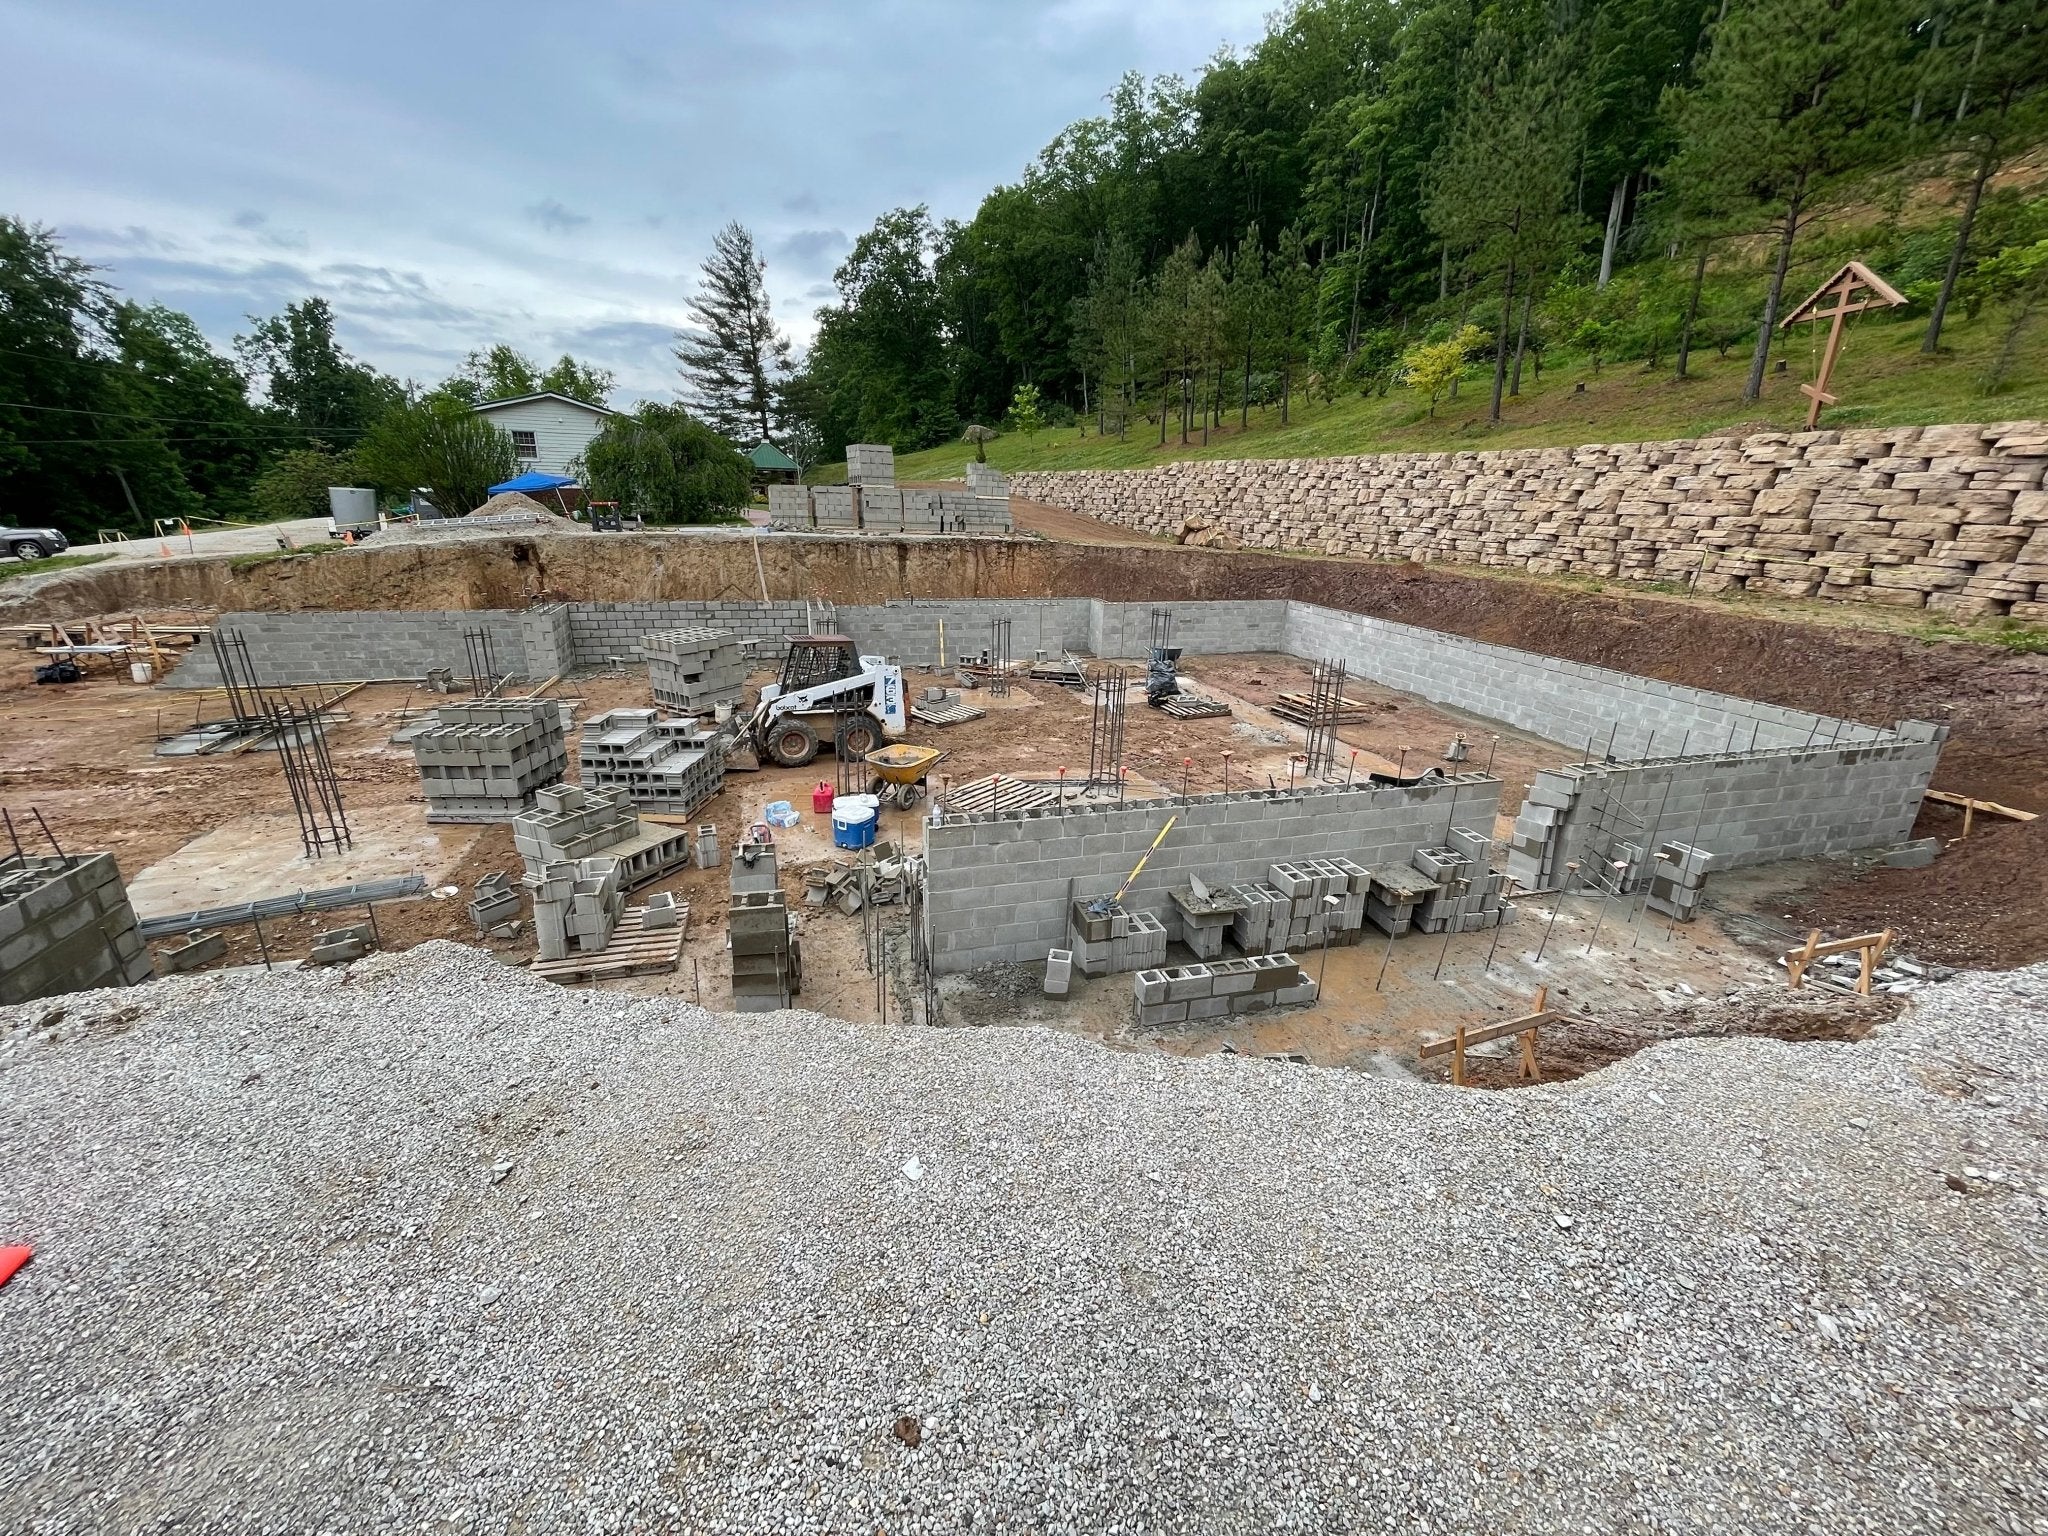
(1300, 709)
(1188, 706)
(1068, 673)
(634, 950)
(1001, 795)
(949, 713)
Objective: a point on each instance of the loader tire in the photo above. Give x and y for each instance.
(792, 743)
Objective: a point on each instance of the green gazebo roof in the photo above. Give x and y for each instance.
(768, 456)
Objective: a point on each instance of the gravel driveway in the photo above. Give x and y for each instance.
(426, 1246)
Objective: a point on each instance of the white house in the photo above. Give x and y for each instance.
(548, 430)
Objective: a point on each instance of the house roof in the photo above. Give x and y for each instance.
(546, 394)
(768, 456)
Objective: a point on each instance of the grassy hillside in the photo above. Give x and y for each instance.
(1882, 379)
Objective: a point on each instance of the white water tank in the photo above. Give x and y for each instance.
(352, 506)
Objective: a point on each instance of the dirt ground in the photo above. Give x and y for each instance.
(185, 830)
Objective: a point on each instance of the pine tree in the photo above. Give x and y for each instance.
(1991, 83)
(1796, 97)
(1499, 187)
(734, 360)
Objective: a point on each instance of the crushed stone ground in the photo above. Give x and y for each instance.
(427, 1246)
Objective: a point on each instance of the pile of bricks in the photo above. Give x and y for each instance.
(1310, 901)
(987, 480)
(1216, 990)
(570, 823)
(1949, 518)
(789, 506)
(1678, 881)
(66, 926)
(484, 761)
(576, 905)
(1535, 852)
(1469, 895)
(663, 765)
(693, 671)
(337, 946)
(1115, 940)
(496, 902)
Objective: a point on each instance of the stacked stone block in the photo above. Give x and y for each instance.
(881, 509)
(987, 480)
(767, 963)
(66, 926)
(577, 904)
(870, 464)
(484, 761)
(834, 508)
(1948, 518)
(1190, 993)
(693, 671)
(1469, 896)
(662, 765)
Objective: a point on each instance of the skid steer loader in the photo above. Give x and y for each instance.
(828, 693)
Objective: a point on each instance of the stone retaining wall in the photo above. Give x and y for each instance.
(1949, 518)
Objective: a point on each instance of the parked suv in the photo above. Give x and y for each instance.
(32, 543)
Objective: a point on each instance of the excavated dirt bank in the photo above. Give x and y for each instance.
(1995, 701)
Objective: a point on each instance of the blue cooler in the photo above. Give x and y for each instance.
(853, 826)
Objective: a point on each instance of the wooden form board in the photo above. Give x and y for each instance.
(1872, 945)
(1525, 1025)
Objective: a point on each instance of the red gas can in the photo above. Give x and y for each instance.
(821, 798)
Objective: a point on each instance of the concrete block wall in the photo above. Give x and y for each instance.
(1125, 629)
(321, 647)
(66, 926)
(605, 634)
(910, 631)
(1756, 807)
(997, 886)
(1951, 518)
(1562, 701)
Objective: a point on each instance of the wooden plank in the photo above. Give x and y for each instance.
(1487, 1032)
(1988, 807)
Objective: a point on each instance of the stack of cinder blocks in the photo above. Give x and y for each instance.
(1219, 988)
(1115, 940)
(1301, 903)
(66, 926)
(833, 507)
(789, 506)
(484, 761)
(340, 945)
(922, 511)
(870, 464)
(1535, 852)
(1469, 896)
(1678, 881)
(576, 905)
(693, 671)
(987, 480)
(570, 822)
(663, 765)
(496, 902)
(1396, 894)
(766, 953)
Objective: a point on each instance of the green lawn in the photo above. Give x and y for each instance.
(1882, 380)
(9, 569)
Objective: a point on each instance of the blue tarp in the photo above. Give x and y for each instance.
(534, 480)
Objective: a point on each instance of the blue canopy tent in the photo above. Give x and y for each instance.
(537, 480)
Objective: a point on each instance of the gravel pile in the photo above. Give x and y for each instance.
(425, 1246)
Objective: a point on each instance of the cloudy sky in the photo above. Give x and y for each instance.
(450, 173)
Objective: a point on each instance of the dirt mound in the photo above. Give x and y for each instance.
(518, 503)
(1977, 905)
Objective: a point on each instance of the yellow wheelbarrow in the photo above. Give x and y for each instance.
(900, 772)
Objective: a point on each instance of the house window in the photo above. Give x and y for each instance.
(523, 445)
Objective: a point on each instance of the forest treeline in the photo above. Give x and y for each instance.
(1374, 180)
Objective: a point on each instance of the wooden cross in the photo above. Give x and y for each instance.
(1842, 287)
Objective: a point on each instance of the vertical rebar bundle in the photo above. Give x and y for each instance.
(852, 771)
(1325, 702)
(1162, 628)
(309, 774)
(1106, 730)
(247, 702)
(999, 658)
(483, 662)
